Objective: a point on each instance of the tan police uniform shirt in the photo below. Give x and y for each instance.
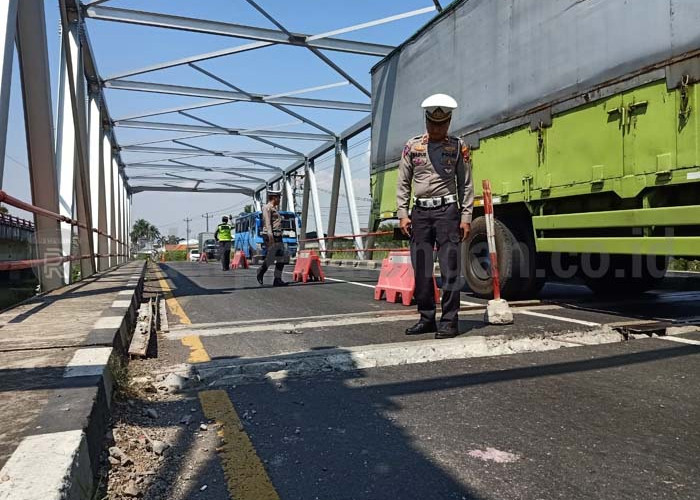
(433, 170)
(272, 222)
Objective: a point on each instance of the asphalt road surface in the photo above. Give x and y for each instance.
(612, 421)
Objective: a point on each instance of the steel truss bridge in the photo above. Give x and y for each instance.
(83, 179)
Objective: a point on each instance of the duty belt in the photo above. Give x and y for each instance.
(436, 202)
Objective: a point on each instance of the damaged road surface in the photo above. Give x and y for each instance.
(558, 405)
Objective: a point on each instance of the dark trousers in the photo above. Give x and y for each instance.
(275, 253)
(436, 227)
(225, 254)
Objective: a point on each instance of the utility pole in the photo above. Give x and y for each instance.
(208, 216)
(187, 221)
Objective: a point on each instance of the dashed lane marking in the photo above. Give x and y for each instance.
(198, 354)
(557, 318)
(470, 304)
(245, 474)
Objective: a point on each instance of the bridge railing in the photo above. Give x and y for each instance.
(368, 247)
(14, 221)
(13, 265)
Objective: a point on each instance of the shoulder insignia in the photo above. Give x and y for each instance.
(406, 149)
(465, 153)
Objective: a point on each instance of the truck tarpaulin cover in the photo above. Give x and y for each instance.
(500, 58)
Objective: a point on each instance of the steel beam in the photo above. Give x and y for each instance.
(172, 177)
(96, 166)
(176, 127)
(257, 204)
(289, 194)
(176, 189)
(199, 105)
(276, 106)
(350, 196)
(305, 204)
(32, 50)
(114, 199)
(192, 59)
(230, 154)
(348, 133)
(104, 194)
(65, 145)
(8, 29)
(233, 30)
(163, 88)
(310, 45)
(313, 187)
(74, 103)
(335, 193)
(187, 166)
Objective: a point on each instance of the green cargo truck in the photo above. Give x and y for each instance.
(583, 114)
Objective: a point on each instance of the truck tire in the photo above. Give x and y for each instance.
(476, 266)
(532, 272)
(621, 274)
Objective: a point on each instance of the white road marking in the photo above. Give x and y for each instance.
(88, 362)
(342, 281)
(281, 327)
(121, 303)
(679, 340)
(109, 322)
(470, 304)
(558, 318)
(350, 282)
(294, 319)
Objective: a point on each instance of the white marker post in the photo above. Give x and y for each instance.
(497, 310)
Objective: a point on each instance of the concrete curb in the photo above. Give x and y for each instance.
(74, 420)
(381, 355)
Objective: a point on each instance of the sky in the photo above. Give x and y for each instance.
(276, 69)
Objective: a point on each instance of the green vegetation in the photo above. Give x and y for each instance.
(142, 232)
(684, 265)
(175, 255)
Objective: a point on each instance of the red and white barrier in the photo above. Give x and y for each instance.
(497, 310)
(239, 260)
(396, 278)
(308, 267)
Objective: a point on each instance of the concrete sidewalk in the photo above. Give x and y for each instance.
(57, 354)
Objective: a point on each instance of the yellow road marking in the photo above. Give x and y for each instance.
(245, 474)
(170, 300)
(198, 354)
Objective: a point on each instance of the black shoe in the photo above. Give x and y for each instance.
(420, 328)
(279, 282)
(447, 332)
(260, 278)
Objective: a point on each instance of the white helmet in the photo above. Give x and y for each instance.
(438, 107)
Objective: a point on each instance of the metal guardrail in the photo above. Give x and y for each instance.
(330, 249)
(13, 265)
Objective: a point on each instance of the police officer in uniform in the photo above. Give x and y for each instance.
(224, 237)
(272, 234)
(437, 167)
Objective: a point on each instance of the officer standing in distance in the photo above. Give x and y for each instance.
(437, 167)
(223, 236)
(272, 234)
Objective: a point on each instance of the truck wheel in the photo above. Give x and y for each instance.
(530, 261)
(608, 275)
(476, 265)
